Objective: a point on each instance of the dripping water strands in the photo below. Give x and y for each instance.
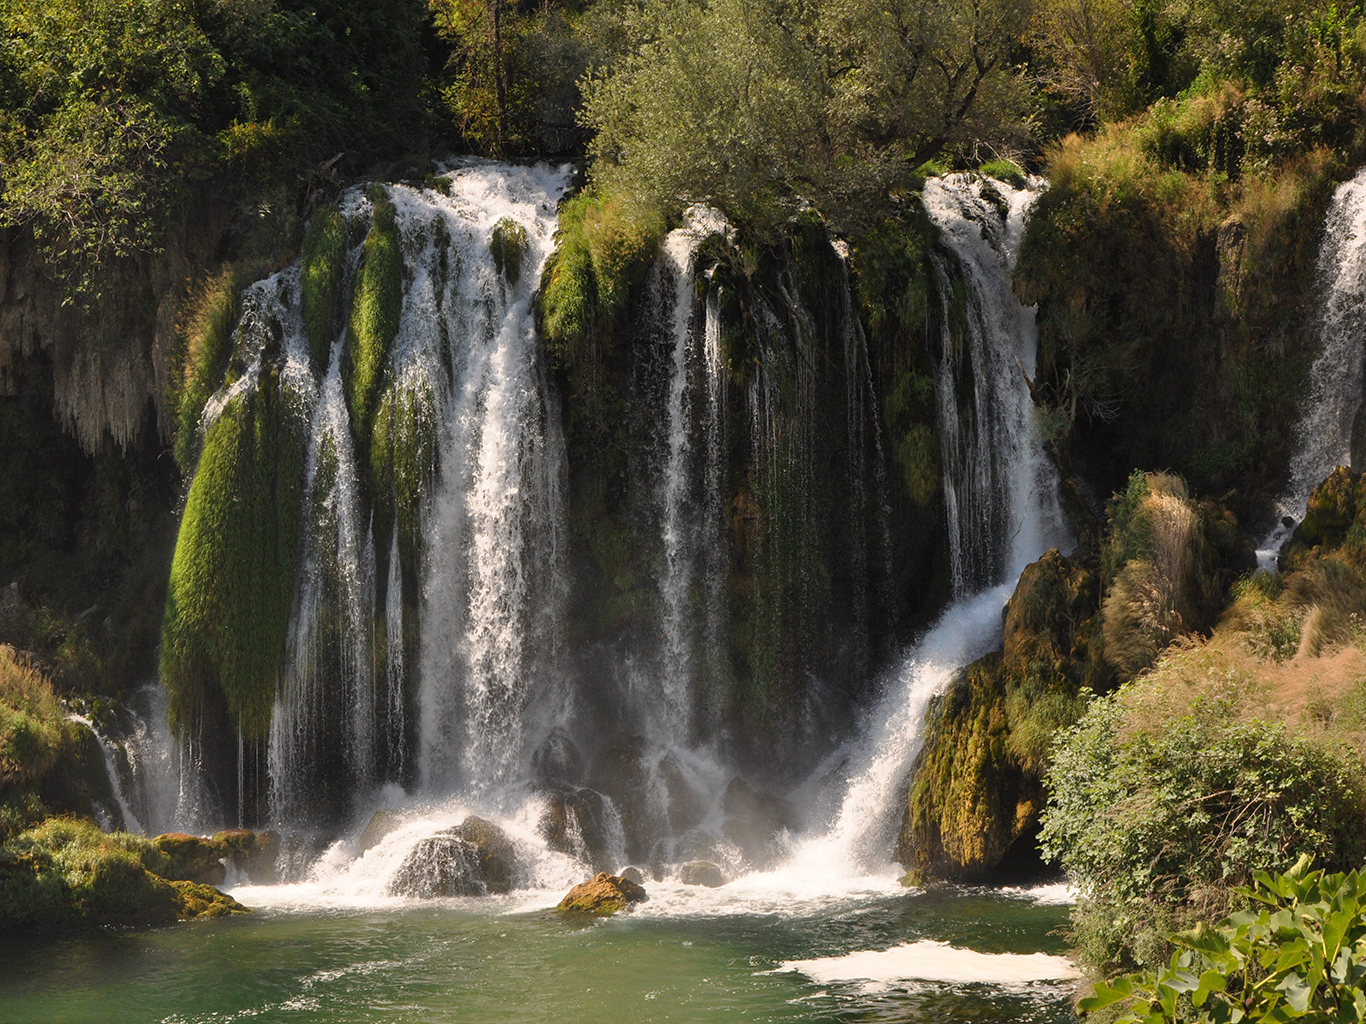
(1323, 438)
(680, 528)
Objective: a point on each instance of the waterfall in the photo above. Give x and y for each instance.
(1001, 497)
(490, 594)
(1322, 439)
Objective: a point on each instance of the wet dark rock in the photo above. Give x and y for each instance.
(577, 822)
(558, 759)
(633, 874)
(475, 858)
(603, 894)
(621, 771)
(755, 821)
(701, 872)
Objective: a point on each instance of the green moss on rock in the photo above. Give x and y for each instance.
(208, 345)
(232, 578)
(509, 246)
(376, 303)
(323, 268)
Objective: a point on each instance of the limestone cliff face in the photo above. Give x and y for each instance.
(111, 350)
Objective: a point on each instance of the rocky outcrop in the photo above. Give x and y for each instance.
(972, 812)
(602, 895)
(193, 858)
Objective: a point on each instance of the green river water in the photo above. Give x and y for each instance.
(704, 956)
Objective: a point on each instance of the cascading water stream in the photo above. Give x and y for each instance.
(1001, 497)
(1323, 435)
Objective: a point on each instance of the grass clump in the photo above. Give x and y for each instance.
(232, 578)
(1004, 170)
(323, 265)
(1174, 790)
(376, 303)
(34, 731)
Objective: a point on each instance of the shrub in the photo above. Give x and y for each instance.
(1299, 954)
(1155, 815)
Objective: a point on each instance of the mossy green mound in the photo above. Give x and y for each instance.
(65, 873)
(323, 266)
(604, 247)
(207, 347)
(509, 246)
(376, 303)
(232, 579)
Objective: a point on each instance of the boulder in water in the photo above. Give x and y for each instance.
(602, 895)
(252, 853)
(633, 874)
(193, 858)
(701, 872)
(474, 858)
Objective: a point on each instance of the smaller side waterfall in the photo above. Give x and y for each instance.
(1000, 488)
(1001, 501)
(1323, 436)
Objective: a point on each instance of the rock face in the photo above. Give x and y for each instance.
(475, 858)
(701, 872)
(603, 895)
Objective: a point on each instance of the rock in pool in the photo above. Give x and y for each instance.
(603, 894)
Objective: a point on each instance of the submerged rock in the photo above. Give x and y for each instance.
(475, 858)
(701, 872)
(381, 823)
(755, 821)
(196, 901)
(603, 894)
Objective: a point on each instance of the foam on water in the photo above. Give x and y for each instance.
(928, 960)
